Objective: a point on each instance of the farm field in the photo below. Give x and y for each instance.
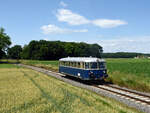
(26, 91)
(130, 73)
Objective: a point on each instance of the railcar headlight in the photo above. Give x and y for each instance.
(90, 72)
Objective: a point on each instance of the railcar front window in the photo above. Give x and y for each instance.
(93, 65)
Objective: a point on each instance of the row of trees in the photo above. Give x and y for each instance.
(50, 50)
(123, 55)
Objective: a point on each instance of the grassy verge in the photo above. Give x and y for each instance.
(52, 65)
(27, 91)
(7, 66)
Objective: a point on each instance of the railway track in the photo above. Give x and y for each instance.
(131, 95)
(121, 92)
(126, 94)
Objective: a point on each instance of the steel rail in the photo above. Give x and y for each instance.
(137, 93)
(129, 96)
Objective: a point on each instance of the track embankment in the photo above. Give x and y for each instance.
(131, 98)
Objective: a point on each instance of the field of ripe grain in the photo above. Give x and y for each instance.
(130, 73)
(26, 91)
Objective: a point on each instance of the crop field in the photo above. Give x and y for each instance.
(26, 91)
(130, 73)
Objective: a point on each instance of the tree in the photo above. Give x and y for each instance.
(15, 52)
(4, 42)
(2, 54)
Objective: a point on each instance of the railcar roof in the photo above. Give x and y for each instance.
(82, 59)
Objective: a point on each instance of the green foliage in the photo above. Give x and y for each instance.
(15, 52)
(51, 50)
(8, 66)
(4, 42)
(2, 54)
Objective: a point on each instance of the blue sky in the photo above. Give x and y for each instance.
(117, 25)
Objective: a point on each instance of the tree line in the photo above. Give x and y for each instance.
(124, 55)
(51, 50)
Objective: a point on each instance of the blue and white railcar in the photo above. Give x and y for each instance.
(85, 68)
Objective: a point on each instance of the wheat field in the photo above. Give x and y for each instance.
(26, 91)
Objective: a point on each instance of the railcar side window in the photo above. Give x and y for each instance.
(78, 65)
(82, 65)
(66, 63)
(86, 65)
(101, 65)
(74, 64)
(71, 64)
(62, 63)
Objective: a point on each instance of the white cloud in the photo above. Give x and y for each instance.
(106, 23)
(65, 15)
(46, 39)
(48, 29)
(63, 4)
(127, 44)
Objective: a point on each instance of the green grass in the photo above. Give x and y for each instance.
(26, 91)
(131, 73)
(7, 66)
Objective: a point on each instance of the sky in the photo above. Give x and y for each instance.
(116, 25)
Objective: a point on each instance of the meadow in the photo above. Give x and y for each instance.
(130, 73)
(23, 90)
